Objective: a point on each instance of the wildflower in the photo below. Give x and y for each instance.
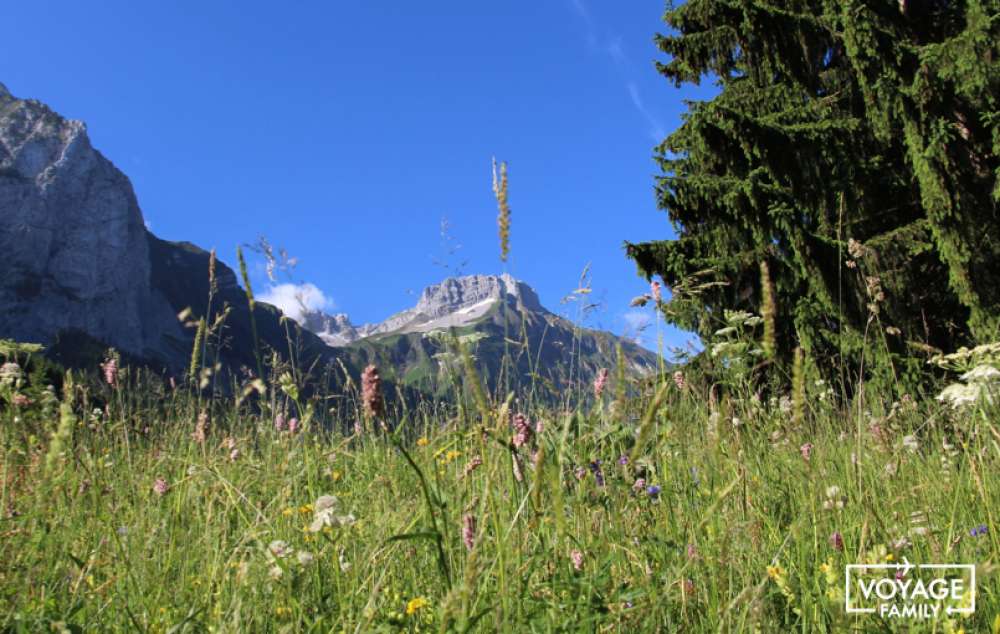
(834, 500)
(110, 370)
(234, 454)
(978, 531)
(775, 572)
(471, 466)
(522, 430)
(654, 289)
(279, 422)
(600, 382)
(679, 380)
(837, 540)
(653, 491)
(469, 531)
(20, 400)
(737, 422)
(160, 487)
(623, 460)
(422, 441)
(688, 587)
(580, 473)
(806, 451)
(371, 392)
(10, 372)
(279, 548)
(910, 443)
(416, 604)
(275, 572)
(325, 514)
(577, 558)
(305, 557)
(293, 425)
(198, 435)
(692, 551)
(639, 485)
(595, 468)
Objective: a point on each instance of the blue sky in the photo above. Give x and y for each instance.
(346, 131)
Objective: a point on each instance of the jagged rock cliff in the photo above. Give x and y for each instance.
(75, 252)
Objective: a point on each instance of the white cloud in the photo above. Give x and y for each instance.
(655, 127)
(295, 299)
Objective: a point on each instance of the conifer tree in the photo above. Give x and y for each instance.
(853, 148)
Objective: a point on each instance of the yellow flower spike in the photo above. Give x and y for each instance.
(423, 442)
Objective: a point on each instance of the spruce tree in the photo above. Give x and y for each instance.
(853, 148)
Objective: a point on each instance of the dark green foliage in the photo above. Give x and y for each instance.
(837, 120)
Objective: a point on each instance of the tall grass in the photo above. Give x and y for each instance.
(673, 528)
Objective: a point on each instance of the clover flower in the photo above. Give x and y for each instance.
(279, 548)
(160, 487)
(837, 540)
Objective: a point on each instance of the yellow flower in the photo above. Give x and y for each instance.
(335, 476)
(452, 454)
(824, 568)
(423, 442)
(287, 512)
(415, 604)
(889, 557)
(775, 572)
(306, 508)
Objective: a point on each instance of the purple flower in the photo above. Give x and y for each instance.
(837, 540)
(653, 490)
(595, 467)
(979, 530)
(623, 460)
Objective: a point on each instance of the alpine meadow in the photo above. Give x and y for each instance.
(189, 446)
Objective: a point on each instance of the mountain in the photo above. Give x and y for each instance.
(498, 317)
(80, 271)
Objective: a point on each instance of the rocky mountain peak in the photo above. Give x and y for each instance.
(75, 249)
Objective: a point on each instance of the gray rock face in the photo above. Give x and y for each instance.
(457, 301)
(74, 245)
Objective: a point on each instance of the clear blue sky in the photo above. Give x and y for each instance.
(345, 131)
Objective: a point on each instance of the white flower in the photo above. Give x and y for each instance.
(305, 557)
(910, 443)
(785, 404)
(736, 421)
(982, 375)
(326, 514)
(275, 572)
(959, 395)
(722, 332)
(279, 548)
(891, 469)
(833, 491)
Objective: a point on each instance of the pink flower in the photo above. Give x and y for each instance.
(279, 422)
(806, 451)
(160, 487)
(522, 430)
(110, 369)
(469, 531)
(234, 455)
(471, 466)
(639, 485)
(654, 288)
(688, 587)
(20, 400)
(577, 558)
(692, 552)
(600, 382)
(371, 392)
(293, 425)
